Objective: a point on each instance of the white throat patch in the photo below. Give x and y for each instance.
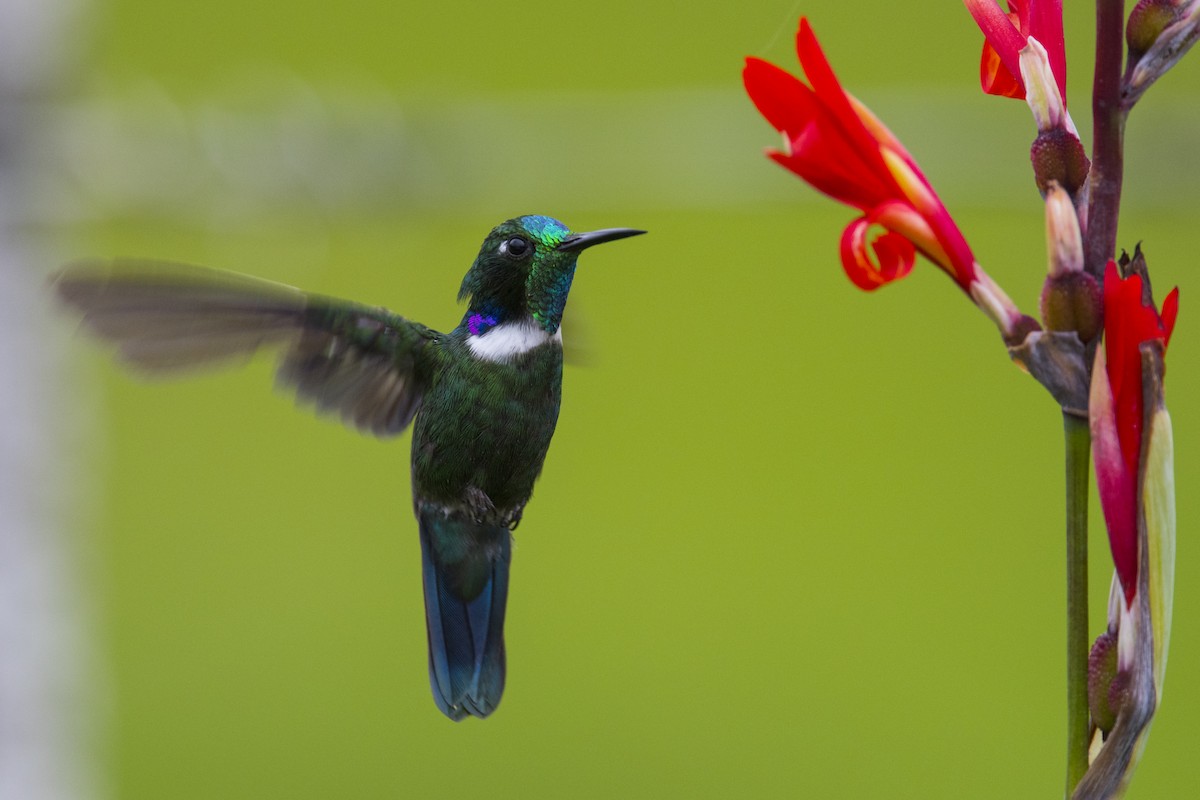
(508, 340)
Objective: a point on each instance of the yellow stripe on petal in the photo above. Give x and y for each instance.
(910, 182)
(876, 128)
(905, 220)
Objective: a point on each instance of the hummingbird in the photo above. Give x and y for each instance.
(483, 399)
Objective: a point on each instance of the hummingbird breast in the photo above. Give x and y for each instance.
(482, 432)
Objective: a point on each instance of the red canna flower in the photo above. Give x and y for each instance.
(835, 143)
(1006, 35)
(1130, 319)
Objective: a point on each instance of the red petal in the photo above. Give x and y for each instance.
(778, 95)
(1115, 485)
(1002, 34)
(1170, 310)
(1044, 22)
(995, 78)
(1128, 322)
(1124, 329)
(841, 118)
(893, 256)
(843, 164)
(824, 159)
(826, 176)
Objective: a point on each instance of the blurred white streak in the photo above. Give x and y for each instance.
(44, 705)
(273, 144)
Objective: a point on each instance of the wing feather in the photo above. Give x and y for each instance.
(365, 364)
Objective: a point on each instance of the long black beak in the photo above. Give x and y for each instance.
(578, 241)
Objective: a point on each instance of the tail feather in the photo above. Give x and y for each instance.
(465, 569)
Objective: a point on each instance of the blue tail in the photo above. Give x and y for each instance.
(465, 570)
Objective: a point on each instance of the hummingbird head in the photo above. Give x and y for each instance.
(524, 271)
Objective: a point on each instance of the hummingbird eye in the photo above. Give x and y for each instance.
(516, 247)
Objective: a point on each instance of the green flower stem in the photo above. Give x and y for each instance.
(1078, 451)
(1108, 132)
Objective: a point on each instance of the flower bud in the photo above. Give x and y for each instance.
(1064, 242)
(1071, 298)
(1041, 89)
(1159, 33)
(1073, 302)
(1106, 686)
(1058, 156)
(1147, 21)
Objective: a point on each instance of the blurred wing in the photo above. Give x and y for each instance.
(577, 342)
(366, 364)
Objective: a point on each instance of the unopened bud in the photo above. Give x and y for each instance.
(1058, 156)
(1041, 89)
(1147, 21)
(1064, 243)
(1071, 298)
(1106, 686)
(1159, 33)
(1073, 302)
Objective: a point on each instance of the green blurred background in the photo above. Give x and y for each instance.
(791, 540)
